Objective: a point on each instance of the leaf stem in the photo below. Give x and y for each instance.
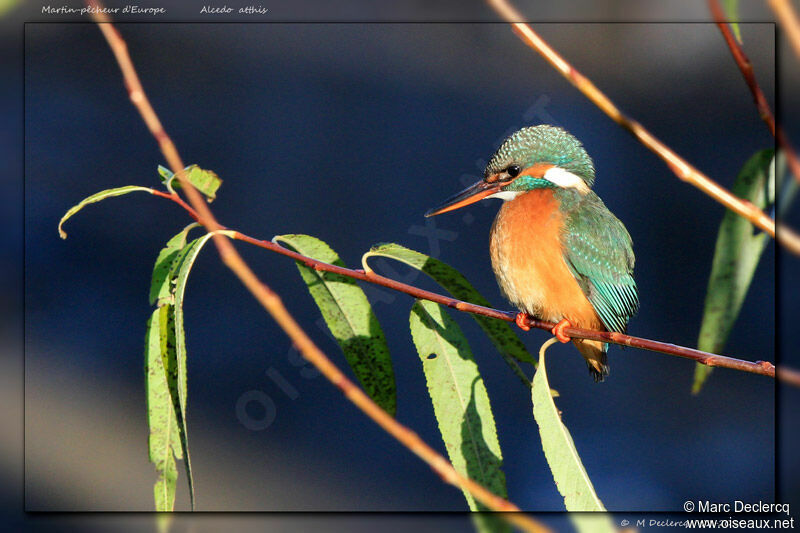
(178, 200)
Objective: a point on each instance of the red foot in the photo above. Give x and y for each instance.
(522, 321)
(558, 330)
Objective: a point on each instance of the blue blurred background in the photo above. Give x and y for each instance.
(349, 132)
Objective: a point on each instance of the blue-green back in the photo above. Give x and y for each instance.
(599, 252)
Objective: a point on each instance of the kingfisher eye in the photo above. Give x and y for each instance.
(513, 171)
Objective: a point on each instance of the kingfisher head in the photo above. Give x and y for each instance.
(536, 157)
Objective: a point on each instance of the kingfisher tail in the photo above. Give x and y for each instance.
(595, 354)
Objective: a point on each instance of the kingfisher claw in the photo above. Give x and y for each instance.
(522, 321)
(558, 330)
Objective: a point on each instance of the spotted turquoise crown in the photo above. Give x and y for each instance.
(543, 144)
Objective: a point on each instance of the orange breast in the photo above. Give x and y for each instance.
(528, 260)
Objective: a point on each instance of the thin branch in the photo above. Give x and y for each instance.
(273, 304)
(744, 64)
(788, 19)
(178, 200)
(746, 67)
(763, 368)
(789, 376)
(789, 239)
(677, 164)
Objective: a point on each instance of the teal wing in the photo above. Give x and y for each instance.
(599, 253)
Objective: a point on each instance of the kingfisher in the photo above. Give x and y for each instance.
(557, 252)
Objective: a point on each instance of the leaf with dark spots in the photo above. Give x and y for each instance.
(350, 318)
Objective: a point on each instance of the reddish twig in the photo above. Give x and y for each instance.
(677, 164)
(746, 67)
(759, 367)
(178, 200)
(273, 304)
(788, 375)
(763, 368)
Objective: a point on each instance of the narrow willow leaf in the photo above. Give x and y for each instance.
(180, 270)
(205, 181)
(163, 441)
(570, 476)
(460, 402)
(498, 331)
(102, 195)
(731, 9)
(350, 318)
(162, 282)
(736, 257)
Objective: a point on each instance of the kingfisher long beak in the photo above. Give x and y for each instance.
(470, 195)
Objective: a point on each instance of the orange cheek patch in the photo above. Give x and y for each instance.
(537, 171)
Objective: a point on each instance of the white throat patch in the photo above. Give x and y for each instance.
(506, 195)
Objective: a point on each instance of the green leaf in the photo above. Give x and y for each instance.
(205, 181)
(163, 276)
(102, 195)
(164, 441)
(499, 332)
(731, 9)
(181, 269)
(570, 476)
(350, 318)
(167, 289)
(736, 257)
(460, 403)
(165, 173)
